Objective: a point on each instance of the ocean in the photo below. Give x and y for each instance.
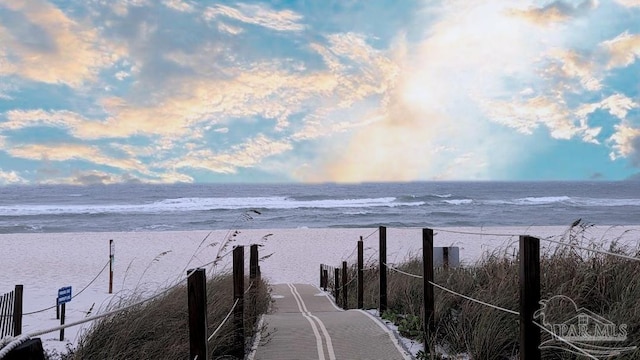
(141, 207)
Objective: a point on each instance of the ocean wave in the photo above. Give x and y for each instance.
(458, 201)
(203, 204)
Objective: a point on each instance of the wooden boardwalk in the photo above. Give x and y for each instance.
(306, 324)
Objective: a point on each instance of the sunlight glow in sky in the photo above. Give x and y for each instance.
(112, 91)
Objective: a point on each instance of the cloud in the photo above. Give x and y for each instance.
(39, 42)
(64, 152)
(554, 12)
(629, 3)
(568, 64)
(528, 114)
(625, 143)
(618, 105)
(247, 155)
(179, 5)
(623, 49)
(261, 15)
(11, 178)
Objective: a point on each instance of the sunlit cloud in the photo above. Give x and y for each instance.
(554, 12)
(261, 15)
(248, 154)
(624, 49)
(10, 178)
(624, 142)
(41, 43)
(64, 152)
(629, 3)
(114, 92)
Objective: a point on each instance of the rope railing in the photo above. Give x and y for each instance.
(223, 321)
(565, 341)
(542, 238)
(14, 342)
(592, 249)
(368, 236)
(453, 292)
(347, 284)
(74, 296)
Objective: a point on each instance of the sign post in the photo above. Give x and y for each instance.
(64, 296)
(112, 252)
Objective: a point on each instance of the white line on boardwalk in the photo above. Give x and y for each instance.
(394, 339)
(313, 325)
(324, 293)
(332, 354)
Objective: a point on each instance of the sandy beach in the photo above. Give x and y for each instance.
(146, 262)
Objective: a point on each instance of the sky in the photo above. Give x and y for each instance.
(168, 91)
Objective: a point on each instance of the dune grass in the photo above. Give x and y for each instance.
(158, 329)
(606, 285)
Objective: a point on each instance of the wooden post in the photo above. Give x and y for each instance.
(5, 321)
(427, 271)
(529, 297)
(253, 277)
(336, 281)
(445, 257)
(360, 274)
(111, 258)
(322, 276)
(345, 293)
(197, 305)
(57, 309)
(17, 310)
(62, 314)
(253, 262)
(238, 295)
(325, 273)
(382, 304)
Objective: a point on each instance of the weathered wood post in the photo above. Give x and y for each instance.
(197, 305)
(427, 279)
(17, 310)
(57, 309)
(325, 274)
(382, 304)
(111, 258)
(322, 276)
(529, 297)
(63, 307)
(336, 281)
(253, 277)
(345, 293)
(360, 273)
(445, 257)
(238, 295)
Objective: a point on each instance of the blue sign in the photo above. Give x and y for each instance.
(64, 295)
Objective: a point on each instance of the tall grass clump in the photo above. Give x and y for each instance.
(606, 285)
(159, 329)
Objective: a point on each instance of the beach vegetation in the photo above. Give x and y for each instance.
(605, 286)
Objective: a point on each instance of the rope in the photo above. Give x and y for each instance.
(402, 272)
(474, 233)
(248, 288)
(25, 337)
(455, 293)
(593, 250)
(74, 296)
(374, 231)
(224, 320)
(475, 300)
(12, 345)
(566, 341)
(348, 282)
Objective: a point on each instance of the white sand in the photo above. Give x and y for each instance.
(45, 262)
